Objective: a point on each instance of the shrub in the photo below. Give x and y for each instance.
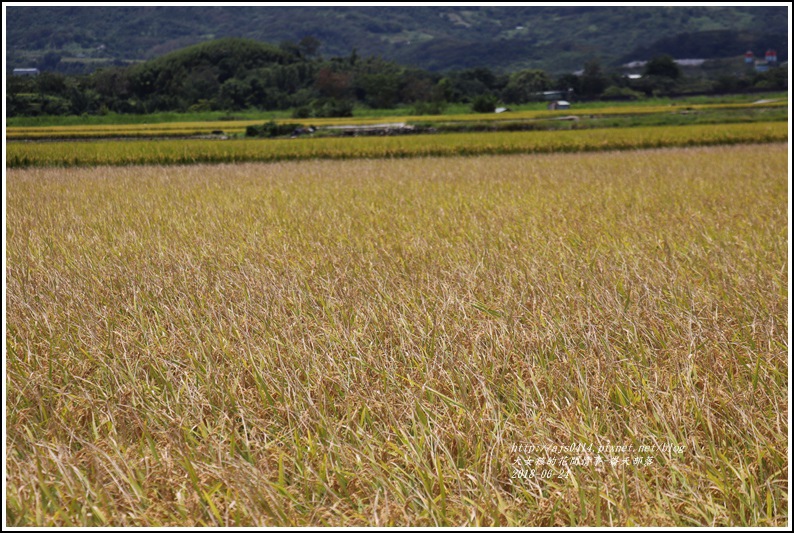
(614, 92)
(484, 103)
(331, 108)
(430, 108)
(301, 112)
(272, 129)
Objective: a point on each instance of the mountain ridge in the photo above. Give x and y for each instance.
(556, 39)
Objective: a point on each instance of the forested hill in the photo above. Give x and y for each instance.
(555, 39)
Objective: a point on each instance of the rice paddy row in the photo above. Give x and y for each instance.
(169, 152)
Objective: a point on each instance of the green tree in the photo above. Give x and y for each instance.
(443, 90)
(570, 83)
(49, 83)
(49, 61)
(200, 84)
(378, 90)
(309, 46)
(484, 103)
(333, 84)
(290, 48)
(663, 66)
(773, 79)
(234, 94)
(593, 80)
(524, 86)
(655, 85)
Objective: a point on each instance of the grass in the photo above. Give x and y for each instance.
(359, 112)
(638, 113)
(191, 151)
(341, 343)
(677, 118)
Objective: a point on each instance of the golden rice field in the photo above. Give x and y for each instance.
(521, 340)
(238, 126)
(167, 152)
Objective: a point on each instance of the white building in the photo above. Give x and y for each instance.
(26, 72)
(559, 104)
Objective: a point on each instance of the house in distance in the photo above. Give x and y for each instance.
(558, 105)
(25, 72)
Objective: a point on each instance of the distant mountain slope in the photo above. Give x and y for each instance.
(557, 39)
